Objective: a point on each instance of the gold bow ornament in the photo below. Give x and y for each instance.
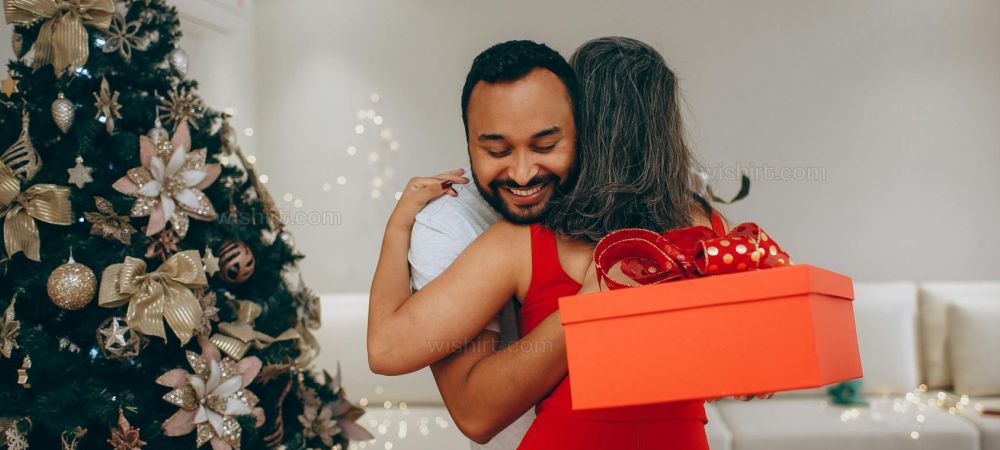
(237, 337)
(62, 41)
(46, 202)
(163, 294)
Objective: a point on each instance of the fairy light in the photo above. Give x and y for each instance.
(373, 157)
(376, 193)
(394, 145)
(359, 129)
(377, 182)
(248, 131)
(341, 180)
(352, 150)
(377, 120)
(252, 159)
(375, 98)
(297, 203)
(386, 134)
(327, 186)
(288, 197)
(263, 178)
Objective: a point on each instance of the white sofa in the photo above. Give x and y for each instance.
(943, 335)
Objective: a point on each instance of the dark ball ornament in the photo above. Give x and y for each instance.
(236, 261)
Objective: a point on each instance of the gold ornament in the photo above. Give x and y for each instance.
(22, 373)
(46, 202)
(318, 422)
(210, 398)
(63, 112)
(168, 186)
(21, 157)
(62, 40)
(107, 106)
(108, 224)
(17, 44)
(71, 438)
(117, 341)
(15, 440)
(235, 338)
(164, 294)
(125, 437)
(210, 313)
(163, 246)
(9, 329)
(72, 285)
(124, 36)
(80, 174)
(237, 261)
(9, 86)
(211, 262)
(182, 106)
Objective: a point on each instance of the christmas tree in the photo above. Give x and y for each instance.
(148, 288)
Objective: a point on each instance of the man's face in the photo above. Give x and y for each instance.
(521, 143)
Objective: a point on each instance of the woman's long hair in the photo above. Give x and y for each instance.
(634, 169)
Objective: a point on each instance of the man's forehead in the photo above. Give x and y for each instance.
(534, 104)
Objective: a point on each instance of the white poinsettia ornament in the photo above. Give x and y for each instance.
(212, 397)
(168, 185)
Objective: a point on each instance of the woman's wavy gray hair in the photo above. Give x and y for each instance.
(634, 169)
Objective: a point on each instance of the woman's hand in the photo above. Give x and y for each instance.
(421, 190)
(590, 281)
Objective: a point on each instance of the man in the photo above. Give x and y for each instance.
(518, 106)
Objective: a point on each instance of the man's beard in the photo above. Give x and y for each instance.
(515, 213)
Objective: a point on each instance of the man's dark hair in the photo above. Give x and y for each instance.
(511, 61)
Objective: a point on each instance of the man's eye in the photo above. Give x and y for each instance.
(545, 148)
(498, 153)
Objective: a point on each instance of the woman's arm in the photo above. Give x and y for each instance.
(486, 388)
(408, 332)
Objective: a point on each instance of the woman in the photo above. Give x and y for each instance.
(634, 171)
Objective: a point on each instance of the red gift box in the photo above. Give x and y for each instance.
(756, 331)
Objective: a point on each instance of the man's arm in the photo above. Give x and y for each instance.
(486, 388)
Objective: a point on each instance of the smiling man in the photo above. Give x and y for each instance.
(518, 106)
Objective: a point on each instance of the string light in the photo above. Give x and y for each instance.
(248, 131)
(359, 129)
(327, 186)
(352, 150)
(341, 180)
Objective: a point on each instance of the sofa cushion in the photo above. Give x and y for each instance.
(342, 338)
(989, 426)
(974, 345)
(933, 330)
(797, 423)
(886, 318)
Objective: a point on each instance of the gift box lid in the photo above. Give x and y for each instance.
(708, 291)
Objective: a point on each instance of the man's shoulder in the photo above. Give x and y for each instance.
(466, 211)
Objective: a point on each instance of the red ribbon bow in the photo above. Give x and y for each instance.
(648, 257)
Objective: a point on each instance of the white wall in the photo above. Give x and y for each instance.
(894, 102)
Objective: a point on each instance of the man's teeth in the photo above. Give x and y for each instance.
(525, 192)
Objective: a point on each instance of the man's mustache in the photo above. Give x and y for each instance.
(511, 184)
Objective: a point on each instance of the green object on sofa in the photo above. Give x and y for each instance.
(847, 393)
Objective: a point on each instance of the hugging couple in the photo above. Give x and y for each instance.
(561, 155)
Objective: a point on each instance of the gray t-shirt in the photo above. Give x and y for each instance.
(441, 232)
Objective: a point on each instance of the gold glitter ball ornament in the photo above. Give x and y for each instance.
(72, 285)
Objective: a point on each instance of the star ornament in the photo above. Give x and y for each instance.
(108, 108)
(80, 174)
(168, 185)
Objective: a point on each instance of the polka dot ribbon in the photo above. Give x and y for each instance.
(646, 257)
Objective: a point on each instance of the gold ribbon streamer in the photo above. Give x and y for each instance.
(164, 294)
(46, 202)
(237, 337)
(62, 41)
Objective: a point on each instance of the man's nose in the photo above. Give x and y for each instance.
(524, 169)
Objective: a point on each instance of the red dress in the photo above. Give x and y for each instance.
(665, 426)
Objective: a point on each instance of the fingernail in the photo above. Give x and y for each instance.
(446, 184)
